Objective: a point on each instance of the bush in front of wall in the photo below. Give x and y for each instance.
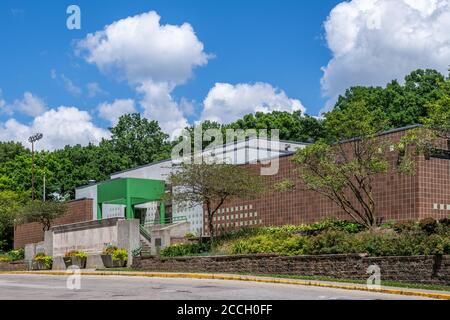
(187, 249)
(17, 255)
(113, 257)
(42, 262)
(428, 225)
(76, 253)
(75, 258)
(120, 255)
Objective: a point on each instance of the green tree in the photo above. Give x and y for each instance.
(438, 118)
(292, 126)
(401, 104)
(43, 212)
(139, 139)
(211, 185)
(9, 150)
(343, 166)
(10, 205)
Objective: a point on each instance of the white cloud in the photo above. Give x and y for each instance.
(375, 41)
(94, 89)
(152, 57)
(30, 105)
(2, 102)
(113, 111)
(144, 50)
(226, 103)
(70, 86)
(62, 126)
(158, 104)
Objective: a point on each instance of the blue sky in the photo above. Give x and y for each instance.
(280, 45)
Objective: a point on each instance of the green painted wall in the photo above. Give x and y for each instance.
(130, 192)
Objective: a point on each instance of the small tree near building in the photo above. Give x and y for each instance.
(343, 167)
(211, 185)
(43, 212)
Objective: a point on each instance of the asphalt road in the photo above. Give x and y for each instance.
(43, 287)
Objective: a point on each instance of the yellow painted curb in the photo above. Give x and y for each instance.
(406, 292)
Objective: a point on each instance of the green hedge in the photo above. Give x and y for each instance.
(13, 255)
(426, 237)
(188, 249)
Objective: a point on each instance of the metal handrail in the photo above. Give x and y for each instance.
(167, 221)
(144, 232)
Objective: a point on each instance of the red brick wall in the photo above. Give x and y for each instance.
(398, 197)
(78, 211)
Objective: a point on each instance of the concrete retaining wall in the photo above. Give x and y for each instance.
(92, 237)
(424, 269)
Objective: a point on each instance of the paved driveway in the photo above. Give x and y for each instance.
(119, 287)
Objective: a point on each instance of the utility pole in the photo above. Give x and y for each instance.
(43, 195)
(32, 140)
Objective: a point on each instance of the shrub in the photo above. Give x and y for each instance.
(76, 253)
(13, 255)
(42, 257)
(332, 242)
(187, 249)
(17, 255)
(445, 222)
(4, 258)
(110, 249)
(190, 235)
(283, 244)
(120, 255)
(428, 225)
(405, 226)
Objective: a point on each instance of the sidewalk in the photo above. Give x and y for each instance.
(434, 294)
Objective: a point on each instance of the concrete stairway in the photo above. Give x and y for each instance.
(146, 248)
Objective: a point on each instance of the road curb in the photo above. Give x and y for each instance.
(405, 292)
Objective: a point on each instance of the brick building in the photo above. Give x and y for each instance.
(399, 197)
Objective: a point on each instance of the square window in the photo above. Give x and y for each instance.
(241, 208)
(228, 209)
(256, 214)
(442, 207)
(246, 215)
(236, 209)
(232, 209)
(242, 215)
(245, 207)
(250, 214)
(251, 207)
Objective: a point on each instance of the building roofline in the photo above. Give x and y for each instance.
(209, 148)
(141, 167)
(390, 131)
(283, 153)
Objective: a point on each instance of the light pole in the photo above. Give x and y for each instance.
(32, 140)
